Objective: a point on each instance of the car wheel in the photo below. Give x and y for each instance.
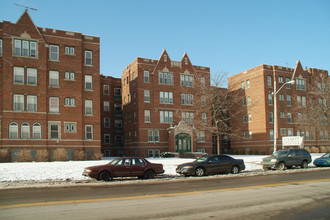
(149, 174)
(105, 176)
(280, 166)
(266, 168)
(200, 171)
(235, 170)
(304, 164)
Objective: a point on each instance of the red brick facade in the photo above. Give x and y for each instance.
(46, 77)
(294, 104)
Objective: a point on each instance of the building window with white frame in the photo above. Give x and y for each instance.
(69, 50)
(166, 97)
(204, 118)
(303, 101)
(243, 101)
(88, 58)
(203, 100)
(69, 76)
(280, 79)
(283, 131)
(247, 83)
(70, 102)
(271, 134)
(88, 82)
(153, 136)
(271, 117)
(165, 78)
(244, 118)
(54, 106)
(106, 122)
(18, 74)
(250, 134)
(106, 138)
(299, 101)
(249, 117)
(203, 84)
(243, 85)
(288, 100)
(270, 99)
(1, 46)
(18, 103)
(106, 106)
(118, 124)
(106, 89)
(54, 130)
(288, 85)
(89, 132)
(31, 76)
(166, 116)
(290, 131)
(25, 48)
(281, 97)
(70, 126)
(146, 76)
(36, 132)
(147, 118)
(32, 103)
(187, 80)
(54, 78)
(269, 81)
(187, 99)
(300, 84)
(289, 116)
(25, 130)
(54, 51)
(188, 117)
(13, 130)
(88, 107)
(146, 96)
(119, 139)
(248, 100)
(282, 114)
(200, 136)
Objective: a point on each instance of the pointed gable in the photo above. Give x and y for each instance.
(185, 60)
(27, 28)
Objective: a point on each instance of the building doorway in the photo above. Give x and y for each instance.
(182, 143)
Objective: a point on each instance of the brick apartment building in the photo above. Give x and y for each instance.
(161, 107)
(299, 108)
(49, 88)
(111, 116)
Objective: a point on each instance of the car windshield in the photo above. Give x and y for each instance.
(202, 159)
(115, 161)
(280, 153)
(326, 155)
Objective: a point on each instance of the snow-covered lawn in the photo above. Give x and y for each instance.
(72, 170)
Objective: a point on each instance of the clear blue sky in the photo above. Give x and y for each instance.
(228, 36)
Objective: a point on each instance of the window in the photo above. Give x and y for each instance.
(166, 117)
(13, 130)
(188, 117)
(117, 91)
(70, 127)
(300, 84)
(118, 123)
(153, 135)
(70, 102)
(250, 134)
(18, 74)
(289, 116)
(166, 97)
(281, 97)
(54, 130)
(54, 52)
(249, 100)
(270, 99)
(24, 48)
(280, 79)
(288, 100)
(165, 78)
(88, 82)
(187, 99)
(25, 130)
(146, 76)
(269, 81)
(89, 132)
(134, 116)
(203, 82)
(271, 117)
(118, 109)
(118, 139)
(18, 102)
(53, 78)
(31, 76)
(299, 101)
(243, 85)
(288, 85)
(133, 78)
(88, 58)
(203, 100)
(247, 83)
(147, 116)
(244, 118)
(200, 136)
(303, 101)
(249, 117)
(204, 118)
(54, 105)
(88, 107)
(283, 131)
(146, 96)
(1, 47)
(282, 114)
(271, 134)
(106, 106)
(69, 50)
(244, 101)
(106, 122)
(106, 89)
(31, 103)
(107, 138)
(290, 132)
(187, 80)
(36, 133)
(70, 75)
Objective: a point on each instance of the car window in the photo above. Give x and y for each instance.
(202, 159)
(137, 161)
(114, 162)
(292, 152)
(124, 162)
(280, 153)
(225, 158)
(214, 160)
(326, 155)
(299, 152)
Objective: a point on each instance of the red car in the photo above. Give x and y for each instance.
(124, 167)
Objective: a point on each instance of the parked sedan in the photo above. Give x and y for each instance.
(124, 167)
(211, 165)
(323, 161)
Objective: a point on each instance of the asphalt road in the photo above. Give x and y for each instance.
(303, 195)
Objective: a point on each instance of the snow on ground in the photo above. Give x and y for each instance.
(72, 170)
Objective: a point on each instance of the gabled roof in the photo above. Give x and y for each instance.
(26, 22)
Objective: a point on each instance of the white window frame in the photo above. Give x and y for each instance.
(69, 50)
(165, 97)
(118, 123)
(88, 132)
(146, 76)
(51, 102)
(25, 130)
(106, 122)
(188, 117)
(204, 118)
(51, 132)
(54, 52)
(18, 103)
(70, 101)
(106, 138)
(106, 106)
(187, 80)
(18, 75)
(54, 79)
(88, 58)
(88, 107)
(201, 137)
(88, 82)
(146, 95)
(32, 101)
(1, 46)
(153, 136)
(147, 116)
(13, 130)
(32, 76)
(166, 117)
(36, 131)
(165, 78)
(106, 89)
(69, 76)
(187, 99)
(70, 127)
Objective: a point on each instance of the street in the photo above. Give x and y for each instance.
(287, 196)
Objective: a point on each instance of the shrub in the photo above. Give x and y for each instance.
(79, 155)
(24, 156)
(315, 150)
(60, 154)
(97, 155)
(43, 155)
(4, 155)
(323, 149)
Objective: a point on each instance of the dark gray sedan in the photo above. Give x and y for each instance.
(211, 165)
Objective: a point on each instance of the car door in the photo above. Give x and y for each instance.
(122, 168)
(213, 165)
(138, 167)
(225, 164)
(291, 158)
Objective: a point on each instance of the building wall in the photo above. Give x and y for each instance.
(25, 30)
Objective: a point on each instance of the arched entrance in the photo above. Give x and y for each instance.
(182, 143)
